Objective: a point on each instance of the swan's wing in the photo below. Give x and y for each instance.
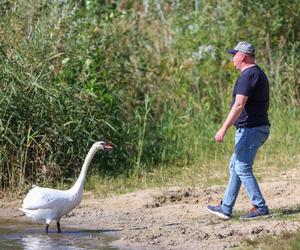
(44, 198)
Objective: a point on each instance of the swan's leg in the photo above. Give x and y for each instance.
(58, 227)
(46, 228)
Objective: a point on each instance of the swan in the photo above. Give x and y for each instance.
(46, 204)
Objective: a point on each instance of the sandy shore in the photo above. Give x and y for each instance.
(176, 218)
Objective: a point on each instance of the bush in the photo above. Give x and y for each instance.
(151, 77)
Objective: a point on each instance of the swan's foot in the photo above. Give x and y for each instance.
(58, 227)
(46, 228)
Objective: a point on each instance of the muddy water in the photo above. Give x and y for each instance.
(20, 235)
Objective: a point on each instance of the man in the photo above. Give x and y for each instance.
(249, 114)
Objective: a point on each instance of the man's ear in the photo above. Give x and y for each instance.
(243, 57)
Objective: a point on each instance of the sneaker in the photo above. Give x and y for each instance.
(217, 210)
(255, 212)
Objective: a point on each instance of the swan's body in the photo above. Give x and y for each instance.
(46, 204)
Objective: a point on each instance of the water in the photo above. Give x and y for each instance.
(20, 235)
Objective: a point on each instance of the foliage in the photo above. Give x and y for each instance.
(150, 76)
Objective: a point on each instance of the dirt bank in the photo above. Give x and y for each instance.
(176, 218)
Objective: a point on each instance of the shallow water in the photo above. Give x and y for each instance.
(21, 235)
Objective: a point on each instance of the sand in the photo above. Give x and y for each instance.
(176, 217)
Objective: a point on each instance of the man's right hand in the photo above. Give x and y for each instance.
(219, 137)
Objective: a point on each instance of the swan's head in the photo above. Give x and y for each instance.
(103, 145)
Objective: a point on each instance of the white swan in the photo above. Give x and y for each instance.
(46, 204)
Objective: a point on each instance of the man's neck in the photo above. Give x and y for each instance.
(247, 66)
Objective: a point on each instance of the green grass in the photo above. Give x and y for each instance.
(73, 72)
(205, 174)
(285, 241)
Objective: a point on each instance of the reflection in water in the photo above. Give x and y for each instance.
(14, 235)
(33, 242)
(37, 242)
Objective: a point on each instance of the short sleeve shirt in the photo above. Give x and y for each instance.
(254, 84)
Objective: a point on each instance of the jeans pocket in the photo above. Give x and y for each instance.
(265, 134)
(265, 138)
(261, 136)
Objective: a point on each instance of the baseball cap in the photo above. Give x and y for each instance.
(244, 47)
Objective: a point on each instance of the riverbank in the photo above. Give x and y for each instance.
(176, 218)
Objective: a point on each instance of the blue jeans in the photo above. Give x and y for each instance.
(247, 142)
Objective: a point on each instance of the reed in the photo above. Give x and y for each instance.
(152, 77)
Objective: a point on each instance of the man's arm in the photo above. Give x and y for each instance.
(236, 110)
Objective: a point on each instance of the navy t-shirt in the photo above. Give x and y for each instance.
(252, 83)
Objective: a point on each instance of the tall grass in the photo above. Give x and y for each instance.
(151, 76)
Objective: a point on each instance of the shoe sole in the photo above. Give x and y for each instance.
(256, 217)
(222, 216)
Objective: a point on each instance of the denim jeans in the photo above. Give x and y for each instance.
(247, 142)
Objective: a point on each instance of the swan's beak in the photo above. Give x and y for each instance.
(107, 146)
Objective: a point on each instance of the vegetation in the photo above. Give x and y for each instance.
(286, 241)
(152, 77)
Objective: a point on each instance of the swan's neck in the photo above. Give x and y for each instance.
(78, 186)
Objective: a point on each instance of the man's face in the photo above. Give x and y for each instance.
(238, 59)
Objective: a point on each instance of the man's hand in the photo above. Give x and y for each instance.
(219, 137)
(236, 110)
